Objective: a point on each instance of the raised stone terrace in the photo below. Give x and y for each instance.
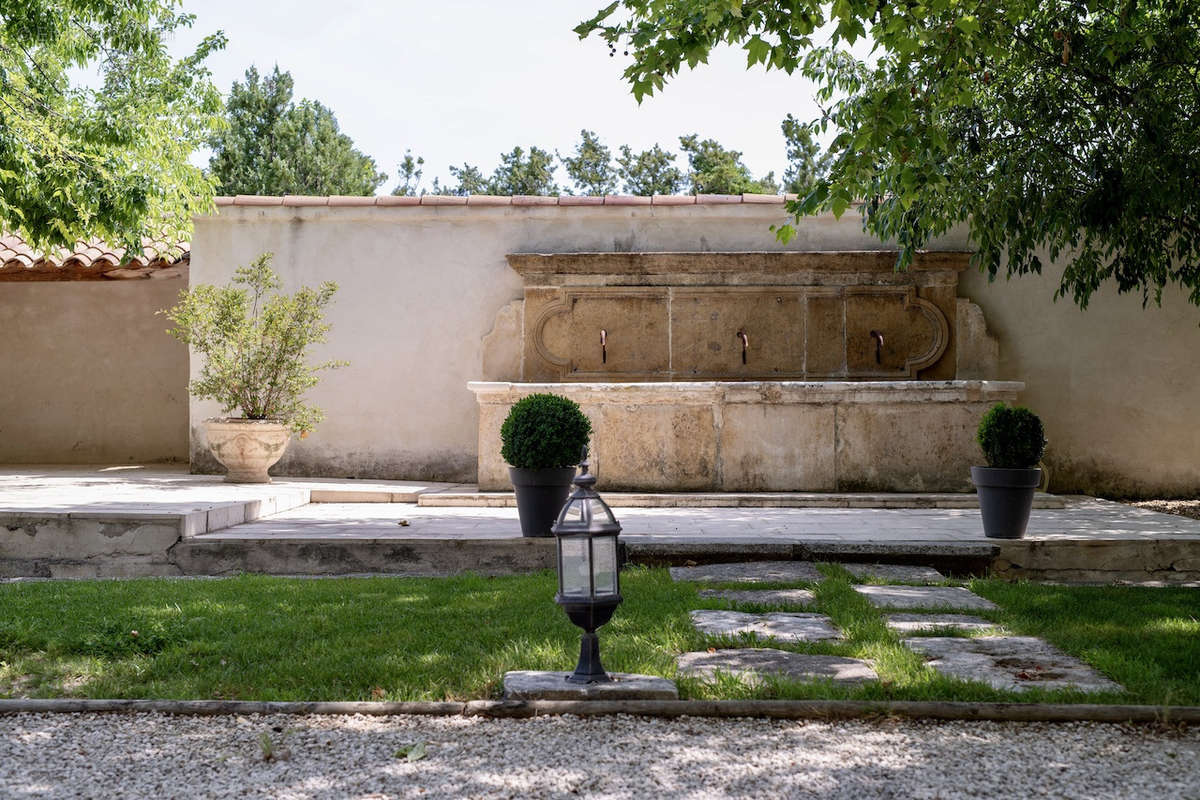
(130, 520)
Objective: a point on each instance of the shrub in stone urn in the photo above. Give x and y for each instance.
(253, 343)
(1013, 441)
(541, 440)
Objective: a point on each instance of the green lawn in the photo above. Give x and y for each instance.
(262, 638)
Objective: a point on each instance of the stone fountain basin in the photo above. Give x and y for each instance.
(765, 436)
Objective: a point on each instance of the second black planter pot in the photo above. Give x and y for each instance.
(541, 494)
(1005, 499)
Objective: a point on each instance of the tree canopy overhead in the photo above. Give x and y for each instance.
(1069, 128)
(275, 146)
(97, 121)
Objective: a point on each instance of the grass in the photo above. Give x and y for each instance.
(264, 638)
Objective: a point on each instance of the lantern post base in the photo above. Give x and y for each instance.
(589, 669)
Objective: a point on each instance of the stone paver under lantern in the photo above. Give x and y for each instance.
(895, 572)
(783, 626)
(763, 597)
(755, 665)
(536, 685)
(1011, 663)
(907, 623)
(910, 597)
(749, 572)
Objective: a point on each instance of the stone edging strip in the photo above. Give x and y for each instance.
(772, 709)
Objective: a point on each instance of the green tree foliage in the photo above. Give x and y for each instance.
(469, 181)
(409, 173)
(649, 172)
(523, 173)
(253, 342)
(1069, 128)
(97, 121)
(714, 170)
(591, 168)
(274, 146)
(806, 163)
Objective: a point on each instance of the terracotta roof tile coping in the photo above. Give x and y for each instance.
(344, 201)
(87, 260)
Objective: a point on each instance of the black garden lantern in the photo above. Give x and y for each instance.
(589, 586)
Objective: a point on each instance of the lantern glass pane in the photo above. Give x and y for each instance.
(574, 566)
(573, 512)
(597, 511)
(604, 551)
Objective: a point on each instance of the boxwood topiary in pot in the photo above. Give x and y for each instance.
(541, 440)
(1013, 441)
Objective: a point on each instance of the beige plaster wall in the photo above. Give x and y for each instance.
(1117, 386)
(421, 288)
(88, 374)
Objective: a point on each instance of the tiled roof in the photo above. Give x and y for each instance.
(90, 261)
(343, 201)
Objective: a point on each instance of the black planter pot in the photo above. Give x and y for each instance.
(541, 494)
(1005, 499)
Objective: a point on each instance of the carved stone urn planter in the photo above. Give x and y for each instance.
(247, 448)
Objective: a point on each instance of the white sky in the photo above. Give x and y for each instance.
(464, 80)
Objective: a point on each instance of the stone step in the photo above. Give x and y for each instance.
(1011, 663)
(754, 666)
(914, 597)
(799, 598)
(474, 499)
(332, 555)
(781, 626)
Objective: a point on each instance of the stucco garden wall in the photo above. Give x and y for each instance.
(1117, 386)
(88, 375)
(422, 288)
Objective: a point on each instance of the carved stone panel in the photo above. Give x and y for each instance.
(609, 334)
(891, 333)
(737, 316)
(720, 332)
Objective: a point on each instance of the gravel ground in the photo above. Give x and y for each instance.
(1183, 508)
(155, 756)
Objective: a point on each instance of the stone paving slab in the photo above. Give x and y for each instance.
(753, 665)
(749, 572)
(763, 597)
(536, 685)
(1011, 663)
(780, 625)
(895, 572)
(907, 623)
(912, 597)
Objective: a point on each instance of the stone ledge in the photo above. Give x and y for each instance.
(706, 393)
(534, 685)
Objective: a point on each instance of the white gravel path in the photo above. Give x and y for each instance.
(159, 757)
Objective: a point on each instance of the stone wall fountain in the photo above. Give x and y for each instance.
(752, 371)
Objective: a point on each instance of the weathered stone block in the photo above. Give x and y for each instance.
(773, 448)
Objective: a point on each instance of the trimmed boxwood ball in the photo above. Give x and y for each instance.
(1011, 438)
(544, 431)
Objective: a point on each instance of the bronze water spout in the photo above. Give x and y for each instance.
(878, 337)
(745, 344)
